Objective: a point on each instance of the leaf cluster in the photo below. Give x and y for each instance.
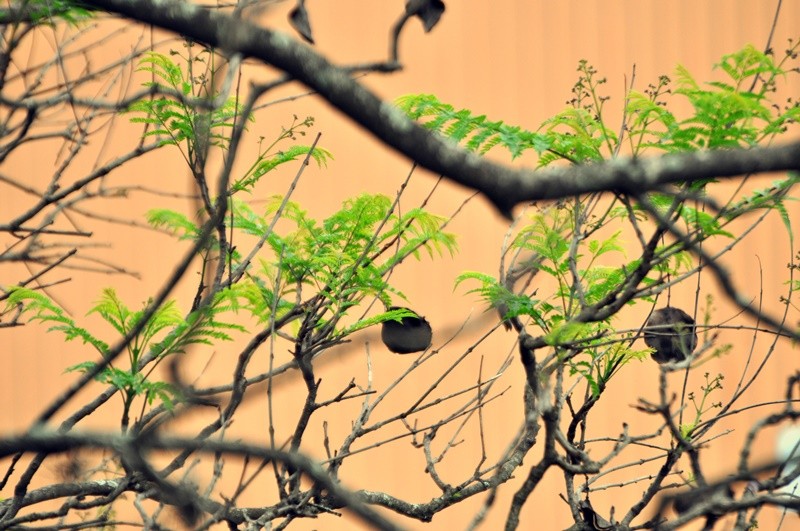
(185, 118)
(343, 258)
(307, 267)
(167, 333)
(268, 158)
(577, 249)
(48, 12)
(726, 114)
(480, 133)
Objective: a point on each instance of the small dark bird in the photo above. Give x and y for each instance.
(408, 335)
(671, 332)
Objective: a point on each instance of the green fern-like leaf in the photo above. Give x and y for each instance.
(545, 235)
(746, 64)
(49, 12)
(174, 222)
(419, 229)
(726, 114)
(113, 311)
(174, 121)
(578, 135)
(267, 164)
(769, 198)
(46, 311)
(498, 296)
(568, 332)
(164, 392)
(165, 69)
(610, 244)
(479, 133)
(345, 256)
(395, 315)
(199, 327)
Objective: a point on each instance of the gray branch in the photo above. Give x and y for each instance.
(504, 186)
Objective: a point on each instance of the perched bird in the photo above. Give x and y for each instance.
(406, 335)
(671, 332)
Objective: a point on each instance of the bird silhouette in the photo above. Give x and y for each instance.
(671, 332)
(407, 335)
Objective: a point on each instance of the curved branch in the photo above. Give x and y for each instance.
(504, 186)
(54, 442)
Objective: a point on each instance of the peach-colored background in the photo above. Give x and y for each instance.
(513, 60)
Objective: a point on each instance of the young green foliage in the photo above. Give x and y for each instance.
(572, 245)
(343, 258)
(49, 12)
(728, 113)
(176, 332)
(480, 133)
(268, 159)
(181, 121)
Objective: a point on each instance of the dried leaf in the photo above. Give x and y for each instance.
(298, 18)
(428, 11)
